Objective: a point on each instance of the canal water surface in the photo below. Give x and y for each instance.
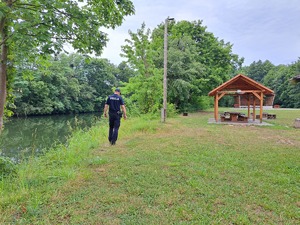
(23, 137)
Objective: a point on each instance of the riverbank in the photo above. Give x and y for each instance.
(183, 171)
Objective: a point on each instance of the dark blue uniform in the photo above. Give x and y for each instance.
(114, 101)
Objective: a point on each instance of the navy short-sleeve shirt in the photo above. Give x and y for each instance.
(114, 101)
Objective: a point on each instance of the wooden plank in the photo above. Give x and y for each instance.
(257, 96)
(221, 95)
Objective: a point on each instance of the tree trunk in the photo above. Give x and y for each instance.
(3, 69)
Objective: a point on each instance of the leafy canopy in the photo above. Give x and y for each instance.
(49, 24)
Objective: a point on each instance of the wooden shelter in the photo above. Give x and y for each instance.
(241, 85)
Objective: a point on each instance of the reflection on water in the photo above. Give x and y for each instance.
(22, 137)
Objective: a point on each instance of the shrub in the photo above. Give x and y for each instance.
(205, 102)
(7, 167)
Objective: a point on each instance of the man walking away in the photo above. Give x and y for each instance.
(114, 103)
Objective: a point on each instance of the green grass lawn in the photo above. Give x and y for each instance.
(185, 171)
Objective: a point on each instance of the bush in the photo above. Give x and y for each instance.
(205, 102)
(7, 167)
(171, 112)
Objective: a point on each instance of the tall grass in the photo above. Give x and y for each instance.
(185, 171)
(37, 178)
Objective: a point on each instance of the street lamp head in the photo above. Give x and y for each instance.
(170, 18)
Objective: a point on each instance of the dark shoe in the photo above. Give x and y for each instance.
(112, 142)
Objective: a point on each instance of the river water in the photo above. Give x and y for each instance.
(23, 137)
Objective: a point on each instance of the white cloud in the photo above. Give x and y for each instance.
(257, 29)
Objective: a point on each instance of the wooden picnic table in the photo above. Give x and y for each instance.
(233, 117)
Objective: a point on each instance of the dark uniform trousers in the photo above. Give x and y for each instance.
(114, 125)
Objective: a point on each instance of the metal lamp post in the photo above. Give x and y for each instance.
(164, 110)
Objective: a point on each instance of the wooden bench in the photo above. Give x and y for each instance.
(225, 117)
(266, 116)
(271, 116)
(243, 118)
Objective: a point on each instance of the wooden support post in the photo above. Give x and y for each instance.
(216, 107)
(218, 96)
(261, 106)
(248, 102)
(261, 99)
(254, 116)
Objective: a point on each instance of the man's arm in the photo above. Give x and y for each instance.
(124, 111)
(105, 110)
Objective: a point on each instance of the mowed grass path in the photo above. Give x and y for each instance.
(185, 171)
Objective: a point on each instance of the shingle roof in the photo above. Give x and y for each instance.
(243, 83)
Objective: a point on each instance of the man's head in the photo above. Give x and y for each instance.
(118, 91)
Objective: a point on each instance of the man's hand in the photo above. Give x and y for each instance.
(125, 117)
(105, 115)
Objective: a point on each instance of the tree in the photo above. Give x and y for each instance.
(185, 74)
(44, 26)
(69, 84)
(214, 54)
(258, 70)
(279, 79)
(145, 88)
(197, 62)
(124, 73)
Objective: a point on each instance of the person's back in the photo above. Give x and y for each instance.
(114, 102)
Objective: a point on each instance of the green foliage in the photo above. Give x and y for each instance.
(132, 107)
(42, 27)
(185, 74)
(226, 101)
(197, 63)
(145, 88)
(279, 79)
(258, 70)
(46, 25)
(145, 93)
(171, 110)
(205, 102)
(215, 55)
(7, 167)
(66, 84)
(124, 73)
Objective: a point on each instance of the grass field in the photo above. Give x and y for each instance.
(185, 171)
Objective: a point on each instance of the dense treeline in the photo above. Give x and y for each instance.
(279, 79)
(197, 63)
(65, 84)
(33, 28)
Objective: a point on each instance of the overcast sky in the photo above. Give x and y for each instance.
(258, 30)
